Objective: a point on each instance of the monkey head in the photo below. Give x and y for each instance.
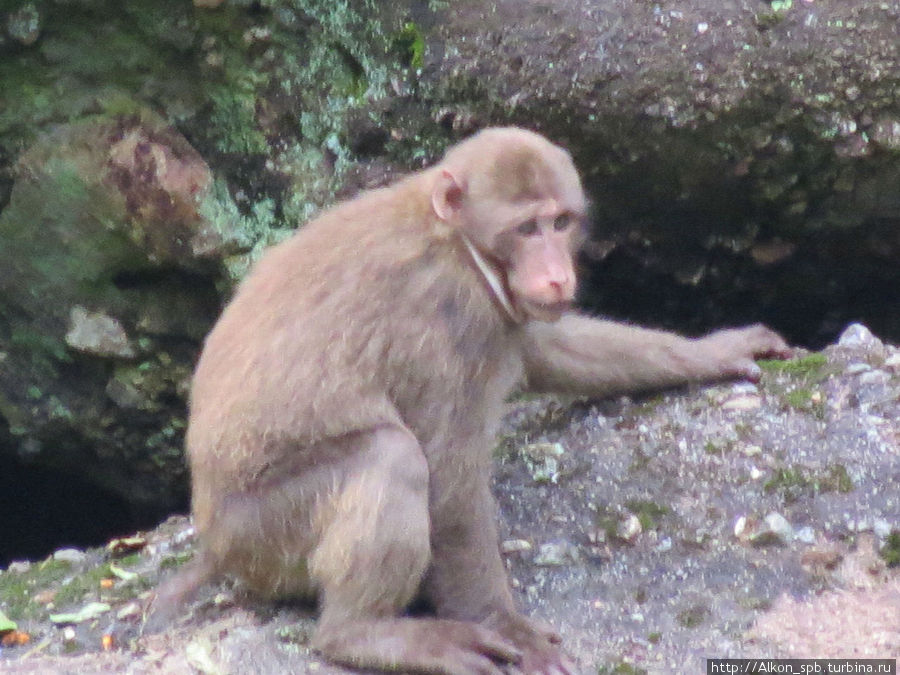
(517, 201)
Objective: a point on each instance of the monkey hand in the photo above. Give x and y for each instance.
(538, 642)
(732, 352)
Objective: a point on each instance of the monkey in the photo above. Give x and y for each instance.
(343, 407)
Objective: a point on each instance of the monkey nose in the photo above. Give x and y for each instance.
(560, 290)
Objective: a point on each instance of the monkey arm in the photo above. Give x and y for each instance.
(594, 357)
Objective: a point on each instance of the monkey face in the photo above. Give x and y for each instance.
(520, 208)
(537, 256)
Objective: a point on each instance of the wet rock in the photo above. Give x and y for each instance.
(97, 333)
(108, 250)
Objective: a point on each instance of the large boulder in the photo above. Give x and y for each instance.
(108, 268)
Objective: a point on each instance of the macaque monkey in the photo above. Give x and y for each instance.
(344, 407)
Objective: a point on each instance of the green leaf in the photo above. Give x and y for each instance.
(6, 624)
(90, 611)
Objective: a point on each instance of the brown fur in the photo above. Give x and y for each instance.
(344, 406)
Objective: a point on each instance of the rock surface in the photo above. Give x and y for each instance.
(632, 552)
(734, 176)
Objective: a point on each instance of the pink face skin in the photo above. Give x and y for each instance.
(541, 276)
(519, 205)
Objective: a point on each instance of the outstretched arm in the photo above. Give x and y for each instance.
(594, 357)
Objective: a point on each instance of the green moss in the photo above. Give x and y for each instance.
(693, 616)
(173, 561)
(233, 120)
(607, 522)
(809, 367)
(143, 46)
(44, 349)
(410, 41)
(621, 668)
(799, 398)
(795, 482)
(129, 560)
(717, 447)
(82, 585)
(787, 481)
(16, 590)
(836, 480)
(648, 513)
(890, 552)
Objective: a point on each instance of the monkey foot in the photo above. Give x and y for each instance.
(539, 643)
(437, 646)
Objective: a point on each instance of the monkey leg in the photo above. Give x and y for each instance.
(467, 579)
(369, 563)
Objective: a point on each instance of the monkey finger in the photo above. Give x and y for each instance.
(493, 645)
(568, 666)
(766, 343)
(747, 369)
(470, 663)
(546, 630)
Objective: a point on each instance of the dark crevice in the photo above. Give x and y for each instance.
(808, 302)
(42, 510)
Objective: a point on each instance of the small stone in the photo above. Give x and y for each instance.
(45, 597)
(744, 388)
(69, 555)
(779, 526)
(556, 554)
(97, 333)
(19, 567)
(69, 634)
(185, 535)
(856, 335)
(738, 403)
(542, 460)
(806, 535)
(857, 368)
(629, 528)
(515, 546)
(129, 611)
(24, 25)
(743, 527)
(886, 133)
(874, 377)
(882, 528)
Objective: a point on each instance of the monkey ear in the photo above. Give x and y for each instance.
(446, 195)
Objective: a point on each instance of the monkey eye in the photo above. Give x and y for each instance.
(562, 222)
(528, 228)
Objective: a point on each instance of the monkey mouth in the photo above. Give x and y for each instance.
(545, 311)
